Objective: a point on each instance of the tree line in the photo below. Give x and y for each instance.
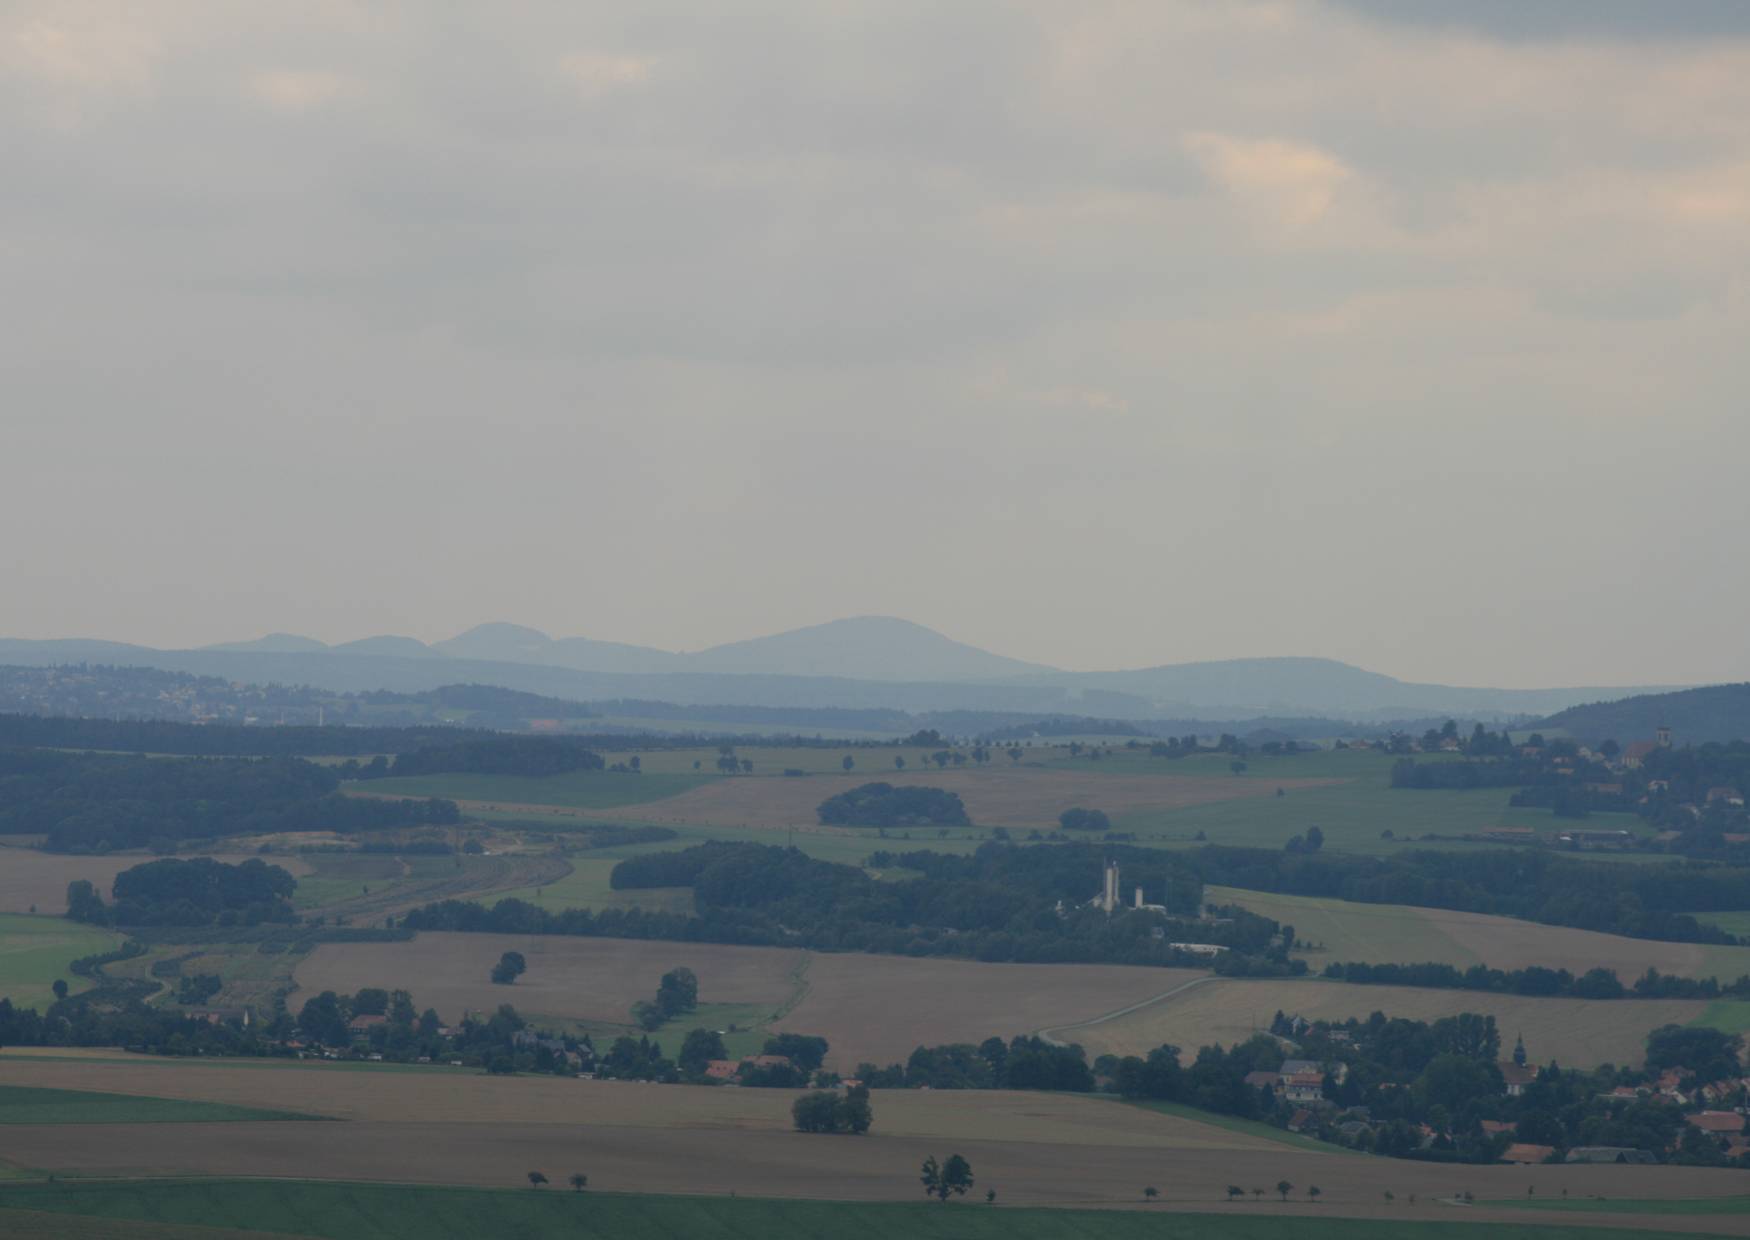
(1599, 983)
(1637, 901)
(94, 803)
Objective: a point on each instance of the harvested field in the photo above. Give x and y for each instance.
(1017, 797)
(28, 877)
(1578, 1033)
(445, 1096)
(881, 1166)
(870, 1008)
(1403, 934)
(878, 1009)
(590, 980)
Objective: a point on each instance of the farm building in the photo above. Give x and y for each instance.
(1527, 1153)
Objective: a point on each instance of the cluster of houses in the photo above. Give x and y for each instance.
(729, 1069)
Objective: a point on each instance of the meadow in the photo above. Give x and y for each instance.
(30, 1104)
(35, 952)
(396, 1212)
(591, 790)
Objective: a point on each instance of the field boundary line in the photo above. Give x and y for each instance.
(1181, 988)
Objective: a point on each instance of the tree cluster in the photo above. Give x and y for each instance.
(196, 892)
(829, 1111)
(883, 805)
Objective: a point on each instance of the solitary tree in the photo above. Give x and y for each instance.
(1257, 1194)
(578, 1180)
(1284, 1187)
(60, 988)
(899, 762)
(990, 1196)
(510, 966)
(942, 1180)
(1234, 1191)
(536, 1179)
(849, 762)
(1151, 1192)
(1312, 1192)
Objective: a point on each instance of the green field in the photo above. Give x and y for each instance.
(1687, 1205)
(1727, 1015)
(1251, 1127)
(1355, 815)
(24, 1104)
(1736, 922)
(578, 790)
(388, 1212)
(35, 950)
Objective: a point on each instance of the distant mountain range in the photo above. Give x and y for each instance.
(866, 662)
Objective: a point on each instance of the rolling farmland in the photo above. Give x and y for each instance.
(1576, 1032)
(1406, 934)
(875, 1008)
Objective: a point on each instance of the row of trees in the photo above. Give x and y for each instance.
(1598, 983)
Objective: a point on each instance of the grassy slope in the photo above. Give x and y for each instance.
(368, 1212)
(34, 951)
(1250, 1127)
(23, 1104)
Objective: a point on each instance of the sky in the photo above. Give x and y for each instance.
(1096, 334)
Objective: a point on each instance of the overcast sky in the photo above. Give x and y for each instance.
(1099, 334)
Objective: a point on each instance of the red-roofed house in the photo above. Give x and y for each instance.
(1720, 1123)
(722, 1069)
(1495, 1127)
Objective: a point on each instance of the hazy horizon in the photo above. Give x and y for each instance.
(1099, 338)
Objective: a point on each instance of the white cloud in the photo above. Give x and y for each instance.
(1289, 185)
(594, 74)
(293, 91)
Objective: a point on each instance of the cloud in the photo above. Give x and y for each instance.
(594, 74)
(292, 91)
(1291, 185)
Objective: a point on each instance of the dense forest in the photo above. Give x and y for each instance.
(197, 892)
(93, 803)
(1634, 900)
(1711, 713)
(500, 755)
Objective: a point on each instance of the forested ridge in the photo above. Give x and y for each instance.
(89, 802)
